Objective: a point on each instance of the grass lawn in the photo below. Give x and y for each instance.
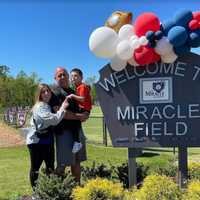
(14, 165)
(93, 127)
(96, 111)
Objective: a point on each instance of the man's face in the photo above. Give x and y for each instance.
(75, 77)
(62, 78)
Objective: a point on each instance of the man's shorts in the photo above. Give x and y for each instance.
(64, 145)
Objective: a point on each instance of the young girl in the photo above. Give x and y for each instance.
(40, 137)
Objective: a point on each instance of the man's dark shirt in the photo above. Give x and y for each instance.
(57, 99)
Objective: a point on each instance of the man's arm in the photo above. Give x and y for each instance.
(76, 116)
(73, 116)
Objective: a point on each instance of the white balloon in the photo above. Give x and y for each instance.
(163, 47)
(133, 62)
(135, 44)
(143, 40)
(124, 50)
(103, 42)
(125, 32)
(133, 37)
(169, 58)
(117, 64)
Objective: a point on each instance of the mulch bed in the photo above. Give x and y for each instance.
(10, 137)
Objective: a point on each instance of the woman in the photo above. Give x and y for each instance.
(40, 137)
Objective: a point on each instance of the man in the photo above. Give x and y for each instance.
(63, 131)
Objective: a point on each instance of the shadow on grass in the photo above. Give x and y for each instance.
(160, 150)
(148, 154)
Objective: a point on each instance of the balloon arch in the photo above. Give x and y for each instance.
(147, 40)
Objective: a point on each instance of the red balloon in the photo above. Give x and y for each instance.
(193, 24)
(196, 15)
(155, 57)
(146, 22)
(139, 50)
(146, 56)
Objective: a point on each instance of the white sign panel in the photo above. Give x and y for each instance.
(155, 90)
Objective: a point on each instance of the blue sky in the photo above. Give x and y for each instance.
(36, 36)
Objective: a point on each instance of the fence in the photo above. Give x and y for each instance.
(94, 128)
(96, 131)
(16, 116)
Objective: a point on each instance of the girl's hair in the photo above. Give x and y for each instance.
(39, 91)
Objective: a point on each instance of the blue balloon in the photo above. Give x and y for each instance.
(177, 36)
(194, 39)
(182, 49)
(183, 17)
(150, 35)
(166, 26)
(158, 35)
(152, 44)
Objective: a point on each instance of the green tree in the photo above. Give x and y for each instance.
(19, 91)
(91, 81)
(4, 70)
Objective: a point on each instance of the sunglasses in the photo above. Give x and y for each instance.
(61, 75)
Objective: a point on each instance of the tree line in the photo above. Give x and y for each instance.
(20, 90)
(17, 91)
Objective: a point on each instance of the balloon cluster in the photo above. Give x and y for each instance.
(147, 40)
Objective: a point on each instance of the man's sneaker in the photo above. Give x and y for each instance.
(35, 197)
(76, 147)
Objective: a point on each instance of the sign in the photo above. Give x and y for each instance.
(151, 106)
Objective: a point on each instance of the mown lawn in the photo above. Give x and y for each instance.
(14, 165)
(93, 127)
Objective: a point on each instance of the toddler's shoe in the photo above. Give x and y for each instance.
(76, 147)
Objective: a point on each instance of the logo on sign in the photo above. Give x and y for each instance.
(156, 90)
(158, 86)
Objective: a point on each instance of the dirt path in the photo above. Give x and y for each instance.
(10, 136)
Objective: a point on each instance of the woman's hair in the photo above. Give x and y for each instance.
(39, 91)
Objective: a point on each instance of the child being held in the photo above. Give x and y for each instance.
(83, 98)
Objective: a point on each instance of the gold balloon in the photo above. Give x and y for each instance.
(118, 19)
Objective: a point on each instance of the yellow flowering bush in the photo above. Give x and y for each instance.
(130, 194)
(194, 170)
(157, 187)
(98, 189)
(193, 191)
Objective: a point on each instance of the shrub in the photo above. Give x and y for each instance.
(55, 187)
(194, 170)
(158, 187)
(95, 171)
(98, 189)
(169, 169)
(193, 191)
(130, 194)
(122, 173)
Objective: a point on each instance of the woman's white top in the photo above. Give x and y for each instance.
(44, 118)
